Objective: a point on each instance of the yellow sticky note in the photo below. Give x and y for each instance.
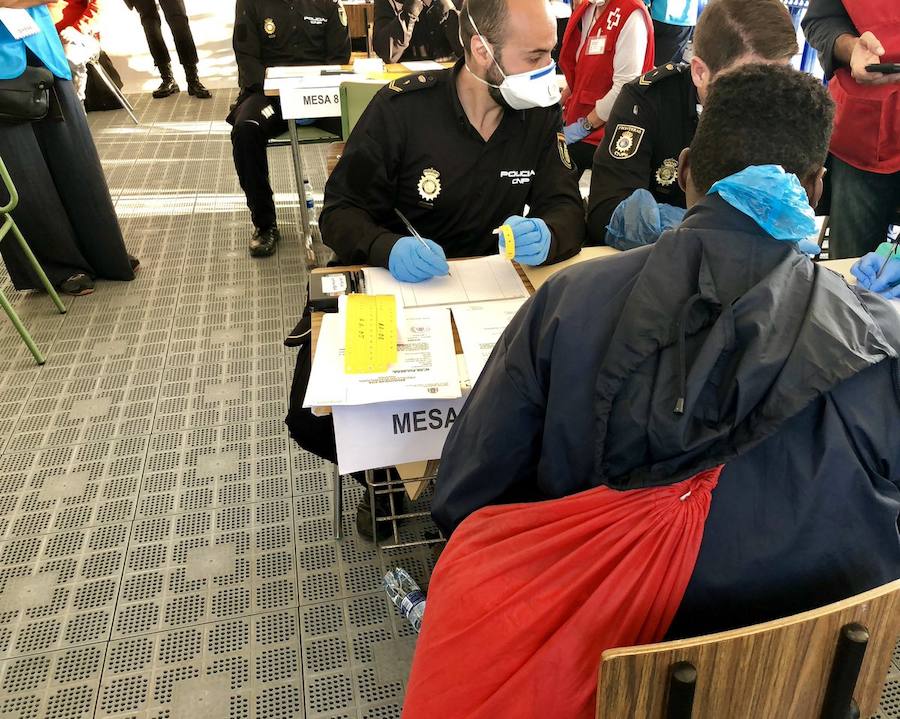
(371, 334)
(509, 241)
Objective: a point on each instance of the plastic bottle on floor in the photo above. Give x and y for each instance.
(406, 595)
(307, 190)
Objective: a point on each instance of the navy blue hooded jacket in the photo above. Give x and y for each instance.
(718, 344)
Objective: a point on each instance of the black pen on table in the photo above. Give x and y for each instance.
(412, 231)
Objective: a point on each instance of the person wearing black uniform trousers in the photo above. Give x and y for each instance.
(176, 17)
(276, 33)
(416, 30)
(634, 183)
(459, 152)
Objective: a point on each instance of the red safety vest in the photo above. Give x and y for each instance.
(867, 123)
(589, 73)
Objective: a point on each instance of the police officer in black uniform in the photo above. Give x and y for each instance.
(416, 30)
(448, 149)
(176, 17)
(276, 33)
(655, 116)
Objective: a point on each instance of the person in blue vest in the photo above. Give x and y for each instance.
(65, 211)
(673, 25)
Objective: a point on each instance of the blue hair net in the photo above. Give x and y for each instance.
(773, 198)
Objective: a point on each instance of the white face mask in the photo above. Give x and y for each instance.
(524, 90)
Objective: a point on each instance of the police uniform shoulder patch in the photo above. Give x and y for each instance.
(563, 148)
(625, 141)
(659, 73)
(411, 83)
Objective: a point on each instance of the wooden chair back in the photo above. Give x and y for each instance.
(777, 669)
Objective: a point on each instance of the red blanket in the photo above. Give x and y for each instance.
(526, 597)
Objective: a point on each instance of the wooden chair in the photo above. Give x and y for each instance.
(829, 663)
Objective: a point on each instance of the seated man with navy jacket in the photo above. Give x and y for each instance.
(722, 344)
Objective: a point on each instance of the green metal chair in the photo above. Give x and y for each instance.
(10, 224)
(355, 98)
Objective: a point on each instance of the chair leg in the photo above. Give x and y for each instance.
(20, 328)
(682, 685)
(338, 505)
(45, 281)
(114, 89)
(848, 658)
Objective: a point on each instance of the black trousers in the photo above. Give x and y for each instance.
(670, 42)
(176, 16)
(65, 211)
(254, 122)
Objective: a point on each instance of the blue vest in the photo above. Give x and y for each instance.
(675, 12)
(45, 45)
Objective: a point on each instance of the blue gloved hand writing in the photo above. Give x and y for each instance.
(640, 220)
(575, 132)
(866, 272)
(411, 261)
(532, 239)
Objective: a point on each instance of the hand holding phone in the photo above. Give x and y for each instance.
(885, 68)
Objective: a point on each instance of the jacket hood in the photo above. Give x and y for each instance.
(725, 335)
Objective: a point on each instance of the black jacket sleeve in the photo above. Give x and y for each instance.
(360, 194)
(824, 23)
(337, 50)
(393, 30)
(494, 449)
(555, 197)
(247, 49)
(612, 179)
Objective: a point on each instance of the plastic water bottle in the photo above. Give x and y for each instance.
(403, 591)
(307, 191)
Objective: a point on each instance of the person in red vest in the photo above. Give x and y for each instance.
(607, 44)
(851, 35)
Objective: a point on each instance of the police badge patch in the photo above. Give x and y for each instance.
(667, 174)
(430, 184)
(563, 150)
(269, 27)
(625, 141)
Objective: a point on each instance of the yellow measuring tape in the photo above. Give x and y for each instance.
(509, 241)
(371, 339)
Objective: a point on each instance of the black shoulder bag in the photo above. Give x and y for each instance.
(26, 98)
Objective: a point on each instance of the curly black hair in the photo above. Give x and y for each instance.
(761, 115)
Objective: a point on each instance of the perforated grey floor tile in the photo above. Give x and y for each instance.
(215, 466)
(219, 340)
(59, 590)
(67, 488)
(57, 685)
(88, 410)
(226, 393)
(244, 668)
(204, 566)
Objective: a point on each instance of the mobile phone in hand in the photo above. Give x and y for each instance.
(885, 68)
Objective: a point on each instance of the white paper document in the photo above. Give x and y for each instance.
(422, 65)
(300, 71)
(425, 367)
(480, 326)
(19, 23)
(481, 280)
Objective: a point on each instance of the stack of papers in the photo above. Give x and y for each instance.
(482, 280)
(480, 326)
(426, 366)
(422, 65)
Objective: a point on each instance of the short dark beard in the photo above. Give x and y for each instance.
(495, 77)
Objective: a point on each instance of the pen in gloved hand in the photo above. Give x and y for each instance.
(413, 232)
(889, 257)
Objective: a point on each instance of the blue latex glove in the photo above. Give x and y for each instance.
(304, 123)
(866, 271)
(532, 239)
(410, 261)
(639, 220)
(575, 132)
(809, 247)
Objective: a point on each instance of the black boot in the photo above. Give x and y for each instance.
(262, 243)
(194, 86)
(168, 86)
